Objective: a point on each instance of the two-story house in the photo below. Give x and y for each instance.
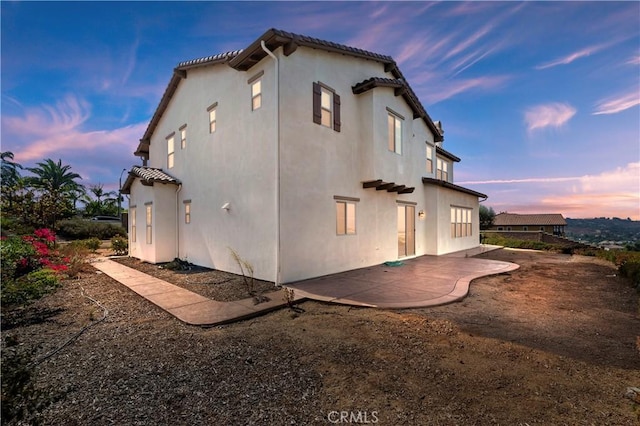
(305, 156)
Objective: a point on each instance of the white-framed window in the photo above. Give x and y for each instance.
(429, 159)
(326, 106)
(132, 213)
(256, 94)
(345, 215)
(461, 222)
(170, 150)
(187, 211)
(149, 210)
(395, 132)
(256, 90)
(442, 172)
(212, 117)
(183, 136)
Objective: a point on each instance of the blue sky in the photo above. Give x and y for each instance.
(539, 99)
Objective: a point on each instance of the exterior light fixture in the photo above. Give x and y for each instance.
(421, 214)
(226, 206)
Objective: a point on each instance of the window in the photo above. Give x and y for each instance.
(326, 107)
(149, 229)
(346, 215)
(187, 211)
(395, 133)
(183, 136)
(256, 90)
(461, 222)
(132, 213)
(429, 159)
(443, 170)
(256, 95)
(170, 150)
(212, 117)
(525, 228)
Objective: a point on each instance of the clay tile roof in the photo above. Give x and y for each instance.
(209, 60)
(514, 219)
(402, 88)
(148, 176)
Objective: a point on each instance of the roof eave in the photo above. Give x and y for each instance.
(449, 185)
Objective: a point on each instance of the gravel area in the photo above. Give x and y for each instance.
(551, 343)
(216, 285)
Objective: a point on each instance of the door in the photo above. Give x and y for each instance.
(406, 230)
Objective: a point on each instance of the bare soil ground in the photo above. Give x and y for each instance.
(554, 342)
(211, 283)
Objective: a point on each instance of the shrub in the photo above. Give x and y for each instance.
(29, 266)
(93, 243)
(77, 229)
(30, 287)
(75, 254)
(119, 245)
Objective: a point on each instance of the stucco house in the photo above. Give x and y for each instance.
(304, 156)
(551, 223)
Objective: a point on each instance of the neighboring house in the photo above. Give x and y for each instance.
(512, 222)
(305, 156)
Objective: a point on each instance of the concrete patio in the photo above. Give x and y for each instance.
(420, 282)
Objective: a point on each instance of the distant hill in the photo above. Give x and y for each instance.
(603, 229)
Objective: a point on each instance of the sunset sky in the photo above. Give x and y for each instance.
(540, 100)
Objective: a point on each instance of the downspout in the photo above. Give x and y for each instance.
(178, 221)
(270, 53)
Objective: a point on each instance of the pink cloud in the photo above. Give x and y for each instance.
(612, 193)
(548, 115)
(565, 60)
(618, 104)
(56, 132)
(450, 89)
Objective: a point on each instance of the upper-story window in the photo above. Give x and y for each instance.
(326, 106)
(395, 132)
(183, 136)
(170, 150)
(212, 117)
(429, 159)
(256, 90)
(442, 172)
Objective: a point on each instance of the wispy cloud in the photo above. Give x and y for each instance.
(449, 89)
(565, 60)
(548, 115)
(56, 131)
(618, 104)
(634, 60)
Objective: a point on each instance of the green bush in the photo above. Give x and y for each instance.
(119, 245)
(17, 257)
(631, 270)
(78, 229)
(30, 287)
(499, 240)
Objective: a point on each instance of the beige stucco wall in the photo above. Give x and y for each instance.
(237, 165)
(161, 198)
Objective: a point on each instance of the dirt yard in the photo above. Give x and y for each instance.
(554, 342)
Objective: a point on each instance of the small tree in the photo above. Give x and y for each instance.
(487, 216)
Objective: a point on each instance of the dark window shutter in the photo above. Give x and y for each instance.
(336, 112)
(317, 94)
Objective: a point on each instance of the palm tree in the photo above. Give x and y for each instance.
(55, 183)
(10, 178)
(103, 204)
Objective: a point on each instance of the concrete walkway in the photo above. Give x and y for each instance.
(421, 282)
(184, 304)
